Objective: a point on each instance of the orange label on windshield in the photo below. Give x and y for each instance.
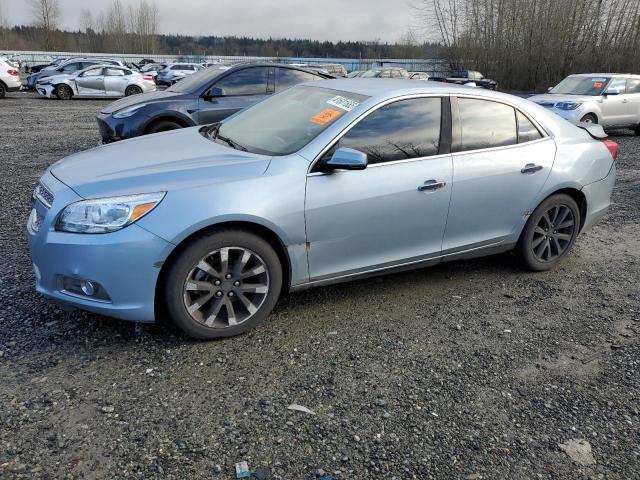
(598, 84)
(325, 116)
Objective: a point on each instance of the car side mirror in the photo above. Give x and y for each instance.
(611, 92)
(549, 89)
(215, 92)
(347, 159)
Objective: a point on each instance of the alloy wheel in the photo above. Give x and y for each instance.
(227, 287)
(553, 233)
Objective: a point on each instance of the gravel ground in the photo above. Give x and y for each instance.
(469, 370)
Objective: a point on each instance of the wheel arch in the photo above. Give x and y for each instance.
(169, 117)
(261, 231)
(579, 198)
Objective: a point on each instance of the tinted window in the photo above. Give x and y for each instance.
(398, 131)
(73, 67)
(249, 81)
(285, 78)
(486, 124)
(617, 85)
(177, 67)
(633, 85)
(527, 131)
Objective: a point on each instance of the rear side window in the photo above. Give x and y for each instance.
(527, 131)
(398, 131)
(486, 124)
(249, 81)
(633, 85)
(286, 77)
(114, 72)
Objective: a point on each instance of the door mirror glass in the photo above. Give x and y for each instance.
(347, 159)
(215, 92)
(612, 92)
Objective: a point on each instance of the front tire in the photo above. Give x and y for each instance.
(63, 92)
(164, 126)
(589, 119)
(549, 233)
(222, 284)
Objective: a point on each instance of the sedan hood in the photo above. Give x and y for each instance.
(552, 98)
(161, 162)
(138, 99)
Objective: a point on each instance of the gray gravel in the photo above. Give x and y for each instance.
(470, 370)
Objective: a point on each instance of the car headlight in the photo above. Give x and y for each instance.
(129, 111)
(568, 105)
(104, 215)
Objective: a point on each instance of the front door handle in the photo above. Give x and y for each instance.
(531, 168)
(430, 185)
(626, 100)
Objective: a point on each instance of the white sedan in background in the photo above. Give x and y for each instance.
(96, 81)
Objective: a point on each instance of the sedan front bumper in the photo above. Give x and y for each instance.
(125, 264)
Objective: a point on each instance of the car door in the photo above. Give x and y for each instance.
(501, 161)
(115, 81)
(633, 95)
(91, 82)
(242, 88)
(393, 212)
(615, 107)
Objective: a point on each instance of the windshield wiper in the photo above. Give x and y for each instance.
(230, 142)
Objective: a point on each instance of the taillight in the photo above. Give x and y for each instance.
(612, 147)
(147, 77)
(13, 72)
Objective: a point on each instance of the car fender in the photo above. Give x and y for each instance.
(168, 115)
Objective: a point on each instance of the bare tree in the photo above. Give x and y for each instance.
(532, 43)
(4, 27)
(46, 15)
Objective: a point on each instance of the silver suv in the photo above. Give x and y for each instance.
(610, 99)
(9, 77)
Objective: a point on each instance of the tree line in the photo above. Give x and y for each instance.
(531, 44)
(134, 28)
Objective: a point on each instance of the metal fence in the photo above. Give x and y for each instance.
(430, 66)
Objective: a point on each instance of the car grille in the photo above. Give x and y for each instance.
(43, 194)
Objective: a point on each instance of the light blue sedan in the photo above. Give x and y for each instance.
(322, 183)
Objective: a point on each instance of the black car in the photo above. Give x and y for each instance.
(205, 97)
(464, 77)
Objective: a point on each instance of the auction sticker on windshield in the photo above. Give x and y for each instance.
(343, 103)
(326, 116)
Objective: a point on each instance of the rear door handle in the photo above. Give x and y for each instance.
(531, 168)
(431, 185)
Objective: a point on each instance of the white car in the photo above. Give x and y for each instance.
(9, 77)
(174, 72)
(609, 99)
(96, 81)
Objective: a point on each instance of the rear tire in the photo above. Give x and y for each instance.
(63, 92)
(3, 90)
(132, 90)
(589, 118)
(637, 130)
(222, 284)
(164, 126)
(549, 233)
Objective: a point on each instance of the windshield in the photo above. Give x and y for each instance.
(581, 86)
(197, 80)
(285, 122)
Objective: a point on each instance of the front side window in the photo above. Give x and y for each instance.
(72, 67)
(398, 131)
(248, 81)
(486, 124)
(287, 121)
(287, 77)
(618, 85)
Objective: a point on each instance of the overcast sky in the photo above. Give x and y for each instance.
(318, 20)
